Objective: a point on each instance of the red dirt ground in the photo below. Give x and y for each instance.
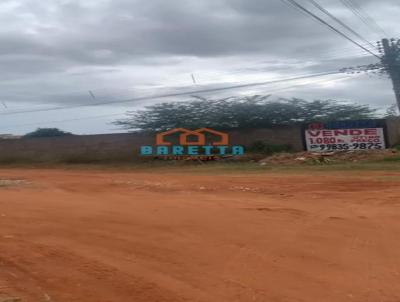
(102, 235)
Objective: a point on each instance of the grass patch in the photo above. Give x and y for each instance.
(392, 159)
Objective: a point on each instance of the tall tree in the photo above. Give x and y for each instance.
(240, 112)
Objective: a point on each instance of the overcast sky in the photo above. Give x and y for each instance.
(53, 52)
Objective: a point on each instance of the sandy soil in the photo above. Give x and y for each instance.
(144, 237)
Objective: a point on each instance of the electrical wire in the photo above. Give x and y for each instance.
(365, 18)
(314, 16)
(344, 53)
(287, 88)
(207, 77)
(326, 12)
(173, 94)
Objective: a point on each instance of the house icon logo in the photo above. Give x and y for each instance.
(199, 136)
(181, 143)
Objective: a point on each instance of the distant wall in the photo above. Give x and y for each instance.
(279, 135)
(73, 148)
(124, 146)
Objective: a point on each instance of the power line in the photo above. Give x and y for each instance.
(94, 93)
(120, 114)
(306, 84)
(124, 93)
(314, 16)
(363, 16)
(176, 94)
(326, 12)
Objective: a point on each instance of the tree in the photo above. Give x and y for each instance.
(240, 112)
(47, 132)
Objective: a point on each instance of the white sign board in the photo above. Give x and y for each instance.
(325, 140)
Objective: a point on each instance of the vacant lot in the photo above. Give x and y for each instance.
(159, 235)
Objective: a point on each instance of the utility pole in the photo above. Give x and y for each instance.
(390, 50)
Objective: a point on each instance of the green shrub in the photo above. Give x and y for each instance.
(47, 132)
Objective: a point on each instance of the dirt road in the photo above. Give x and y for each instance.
(96, 236)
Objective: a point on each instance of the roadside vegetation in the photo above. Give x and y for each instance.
(253, 112)
(47, 132)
